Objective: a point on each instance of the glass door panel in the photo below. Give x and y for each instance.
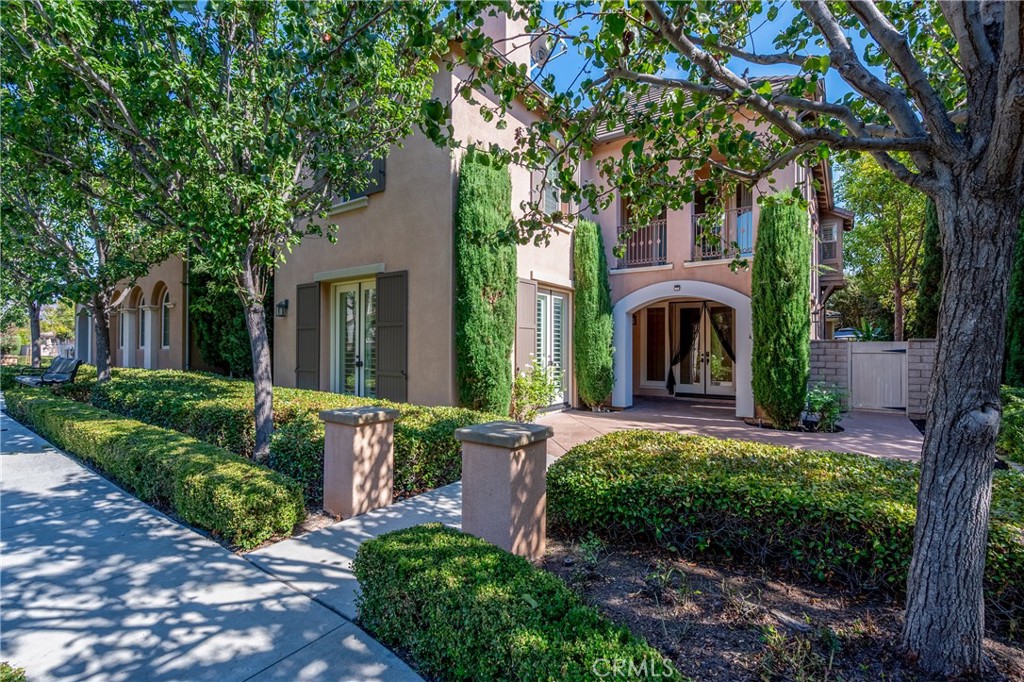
(721, 340)
(551, 328)
(690, 370)
(355, 336)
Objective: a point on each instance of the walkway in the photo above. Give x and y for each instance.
(99, 586)
(868, 433)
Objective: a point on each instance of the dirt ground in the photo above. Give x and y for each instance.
(722, 623)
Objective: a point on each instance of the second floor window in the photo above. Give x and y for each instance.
(829, 239)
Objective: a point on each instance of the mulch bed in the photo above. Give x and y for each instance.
(724, 623)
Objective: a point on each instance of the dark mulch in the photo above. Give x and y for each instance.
(719, 623)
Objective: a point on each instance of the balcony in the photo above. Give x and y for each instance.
(643, 246)
(731, 237)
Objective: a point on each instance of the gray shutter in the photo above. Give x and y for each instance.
(393, 336)
(377, 176)
(526, 322)
(307, 336)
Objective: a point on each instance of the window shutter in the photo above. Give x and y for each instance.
(526, 323)
(307, 336)
(393, 336)
(377, 176)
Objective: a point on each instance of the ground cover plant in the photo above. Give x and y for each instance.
(841, 519)
(238, 501)
(460, 608)
(219, 411)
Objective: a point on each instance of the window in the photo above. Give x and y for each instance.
(829, 237)
(120, 330)
(142, 323)
(165, 321)
(552, 196)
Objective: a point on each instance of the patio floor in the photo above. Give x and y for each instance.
(879, 434)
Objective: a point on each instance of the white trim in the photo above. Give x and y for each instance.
(717, 261)
(350, 205)
(554, 281)
(348, 273)
(622, 393)
(645, 268)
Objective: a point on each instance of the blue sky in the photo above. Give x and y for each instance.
(567, 67)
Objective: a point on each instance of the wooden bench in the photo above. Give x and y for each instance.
(61, 371)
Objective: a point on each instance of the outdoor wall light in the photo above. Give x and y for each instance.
(675, 288)
(282, 308)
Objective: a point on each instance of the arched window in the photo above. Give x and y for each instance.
(142, 323)
(165, 321)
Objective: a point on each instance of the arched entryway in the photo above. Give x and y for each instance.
(685, 295)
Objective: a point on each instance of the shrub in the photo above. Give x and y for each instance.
(825, 403)
(485, 284)
(780, 290)
(840, 518)
(1011, 429)
(592, 326)
(218, 410)
(206, 486)
(1014, 362)
(462, 609)
(533, 390)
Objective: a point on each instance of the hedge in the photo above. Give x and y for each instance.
(218, 410)
(207, 486)
(1011, 431)
(838, 518)
(592, 326)
(462, 609)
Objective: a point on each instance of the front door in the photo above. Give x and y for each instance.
(354, 338)
(708, 331)
(551, 311)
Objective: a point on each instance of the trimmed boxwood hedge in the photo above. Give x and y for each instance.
(208, 487)
(839, 518)
(462, 609)
(219, 411)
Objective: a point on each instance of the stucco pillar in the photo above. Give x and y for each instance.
(131, 329)
(152, 343)
(359, 459)
(504, 487)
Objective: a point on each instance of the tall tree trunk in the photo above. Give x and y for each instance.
(35, 338)
(263, 385)
(945, 614)
(101, 324)
(898, 313)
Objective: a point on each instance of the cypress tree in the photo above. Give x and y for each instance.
(1014, 367)
(929, 285)
(485, 284)
(592, 328)
(780, 300)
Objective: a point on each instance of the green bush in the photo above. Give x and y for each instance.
(1011, 430)
(780, 291)
(592, 327)
(1014, 360)
(841, 518)
(219, 411)
(206, 486)
(485, 284)
(462, 609)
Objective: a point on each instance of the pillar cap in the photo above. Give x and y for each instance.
(359, 416)
(510, 435)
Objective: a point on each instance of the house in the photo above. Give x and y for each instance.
(372, 313)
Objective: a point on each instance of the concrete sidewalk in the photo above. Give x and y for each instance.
(97, 585)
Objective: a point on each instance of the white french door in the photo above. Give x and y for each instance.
(552, 309)
(707, 368)
(354, 338)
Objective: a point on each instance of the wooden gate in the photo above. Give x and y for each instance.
(878, 375)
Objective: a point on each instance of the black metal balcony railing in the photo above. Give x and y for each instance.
(731, 236)
(643, 246)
